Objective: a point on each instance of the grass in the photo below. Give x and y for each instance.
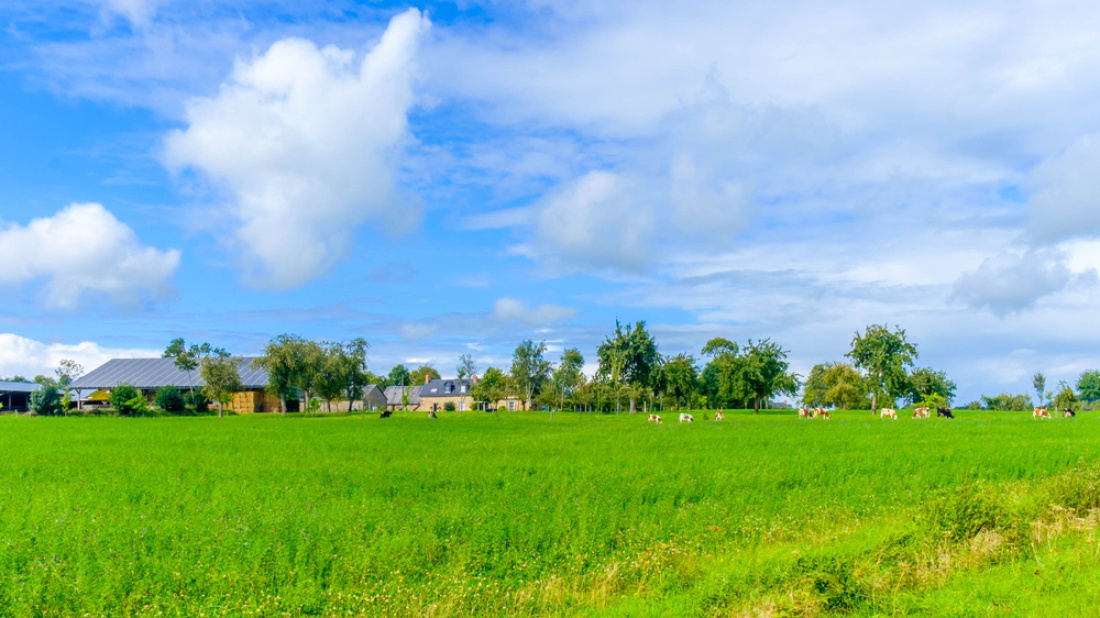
(512, 514)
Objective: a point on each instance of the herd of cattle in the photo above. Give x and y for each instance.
(685, 418)
(1042, 413)
(822, 413)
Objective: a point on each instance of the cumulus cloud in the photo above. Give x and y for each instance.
(28, 358)
(513, 310)
(1013, 282)
(306, 145)
(1065, 202)
(595, 221)
(84, 251)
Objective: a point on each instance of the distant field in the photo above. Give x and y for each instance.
(512, 514)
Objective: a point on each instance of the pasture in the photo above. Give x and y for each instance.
(513, 514)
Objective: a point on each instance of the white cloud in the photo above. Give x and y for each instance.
(513, 310)
(306, 145)
(1012, 282)
(138, 12)
(1066, 199)
(84, 251)
(28, 358)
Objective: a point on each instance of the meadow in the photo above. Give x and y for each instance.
(513, 514)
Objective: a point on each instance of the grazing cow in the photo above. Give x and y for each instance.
(1067, 413)
(1040, 413)
(824, 414)
(921, 413)
(431, 414)
(386, 413)
(944, 413)
(820, 412)
(803, 413)
(653, 418)
(888, 413)
(719, 416)
(686, 418)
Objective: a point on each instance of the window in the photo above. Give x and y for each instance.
(512, 405)
(462, 406)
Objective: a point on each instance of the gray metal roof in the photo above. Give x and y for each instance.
(393, 395)
(18, 387)
(152, 373)
(446, 388)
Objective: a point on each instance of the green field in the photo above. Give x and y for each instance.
(515, 514)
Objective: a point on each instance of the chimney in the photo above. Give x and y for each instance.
(427, 378)
(475, 379)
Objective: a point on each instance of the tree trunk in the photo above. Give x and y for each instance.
(282, 401)
(756, 406)
(874, 402)
(633, 405)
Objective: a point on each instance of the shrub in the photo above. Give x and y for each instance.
(170, 399)
(449, 406)
(196, 401)
(46, 401)
(121, 396)
(502, 409)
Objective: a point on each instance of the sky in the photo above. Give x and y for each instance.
(447, 178)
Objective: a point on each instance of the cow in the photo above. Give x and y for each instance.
(888, 413)
(944, 413)
(718, 416)
(1040, 413)
(686, 418)
(1067, 413)
(824, 414)
(431, 414)
(820, 412)
(920, 413)
(803, 413)
(387, 414)
(653, 418)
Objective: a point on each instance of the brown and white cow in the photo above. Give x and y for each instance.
(888, 413)
(653, 418)
(820, 412)
(922, 413)
(824, 414)
(686, 418)
(718, 416)
(803, 413)
(1040, 413)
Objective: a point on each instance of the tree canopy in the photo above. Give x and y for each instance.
(885, 356)
(530, 369)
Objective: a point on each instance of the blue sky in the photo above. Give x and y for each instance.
(444, 178)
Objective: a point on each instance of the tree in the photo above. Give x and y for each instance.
(398, 376)
(924, 382)
(46, 401)
(569, 374)
(186, 358)
(122, 398)
(1005, 401)
(632, 356)
(331, 373)
(1088, 385)
(68, 371)
(530, 369)
(466, 369)
(491, 388)
(356, 375)
(681, 377)
(1039, 381)
(170, 399)
(284, 361)
(422, 372)
(835, 384)
(222, 378)
(885, 356)
(763, 373)
(1066, 399)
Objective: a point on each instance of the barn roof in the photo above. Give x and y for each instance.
(18, 387)
(393, 395)
(152, 373)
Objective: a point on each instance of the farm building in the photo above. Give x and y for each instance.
(16, 396)
(436, 393)
(149, 374)
(394, 397)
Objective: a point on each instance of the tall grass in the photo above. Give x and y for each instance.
(512, 514)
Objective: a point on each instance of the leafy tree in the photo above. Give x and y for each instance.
(1088, 385)
(1065, 397)
(1039, 381)
(46, 401)
(186, 358)
(170, 399)
(630, 357)
(418, 376)
(763, 373)
(68, 371)
(681, 377)
(1005, 401)
(491, 388)
(138, 405)
(924, 382)
(884, 355)
(466, 369)
(399, 376)
(354, 368)
(284, 360)
(835, 384)
(122, 397)
(530, 369)
(569, 374)
(222, 378)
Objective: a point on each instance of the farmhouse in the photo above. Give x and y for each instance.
(16, 396)
(435, 394)
(149, 374)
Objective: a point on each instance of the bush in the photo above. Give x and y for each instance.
(170, 399)
(449, 406)
(502, 409)
(121, 396)
(46, 401)
(196, 401)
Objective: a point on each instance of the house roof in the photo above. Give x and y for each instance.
(393, 395)
(18, 387)
(446, 388)
(373, 392)
(151, 373)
